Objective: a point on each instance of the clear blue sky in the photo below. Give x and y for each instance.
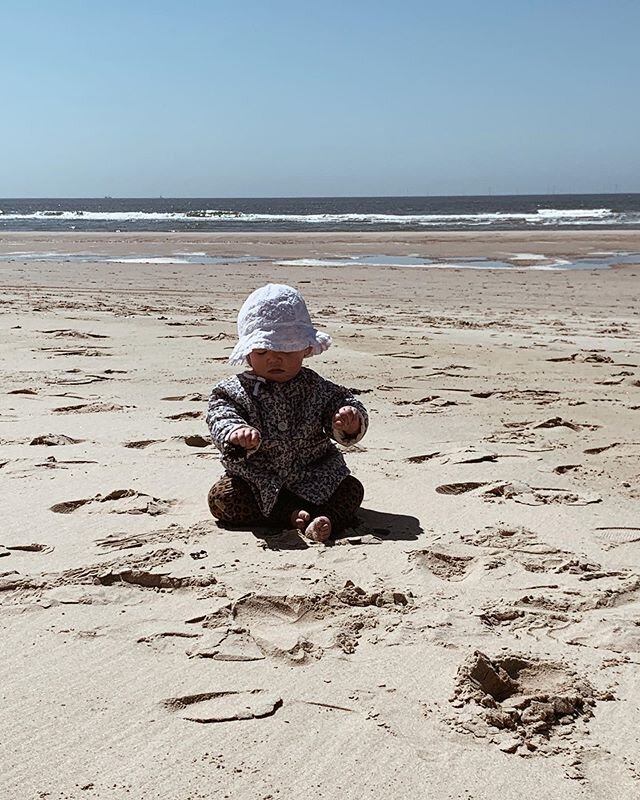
(336, 97)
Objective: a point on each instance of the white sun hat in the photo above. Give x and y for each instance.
(275, 317)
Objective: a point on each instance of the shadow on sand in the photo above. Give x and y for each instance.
(387, 526)
(378, 526)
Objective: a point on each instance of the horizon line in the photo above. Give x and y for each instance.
(312, 196)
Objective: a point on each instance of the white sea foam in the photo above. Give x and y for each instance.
(543, 216)
(527, 257)
(559, 213)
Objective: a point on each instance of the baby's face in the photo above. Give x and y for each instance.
(277, 366)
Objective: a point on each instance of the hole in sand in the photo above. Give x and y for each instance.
(529, 698)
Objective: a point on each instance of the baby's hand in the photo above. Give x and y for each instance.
(247, 438)
(347, 420)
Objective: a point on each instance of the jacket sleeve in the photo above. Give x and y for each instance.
(336, 397)
(223, 417)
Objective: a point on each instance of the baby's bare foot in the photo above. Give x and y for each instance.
(319, 530)
(300, 519)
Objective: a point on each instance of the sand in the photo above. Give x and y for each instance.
(475, 635)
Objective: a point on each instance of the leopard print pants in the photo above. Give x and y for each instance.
(231, 500)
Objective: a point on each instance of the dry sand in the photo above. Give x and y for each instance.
(480, 640)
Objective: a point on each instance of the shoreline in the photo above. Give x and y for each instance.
(453, 244)
(454, 293)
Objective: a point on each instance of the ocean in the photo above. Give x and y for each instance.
(468, 213)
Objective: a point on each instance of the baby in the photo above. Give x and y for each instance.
(274, 425)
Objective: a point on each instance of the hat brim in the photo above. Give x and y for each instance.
(281, 342)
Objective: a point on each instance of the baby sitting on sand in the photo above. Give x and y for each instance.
(274, 425)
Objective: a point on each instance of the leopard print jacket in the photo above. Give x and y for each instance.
(295, 423)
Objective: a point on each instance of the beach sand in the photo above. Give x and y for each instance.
(475, 636)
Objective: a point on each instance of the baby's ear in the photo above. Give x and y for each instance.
(308, 351)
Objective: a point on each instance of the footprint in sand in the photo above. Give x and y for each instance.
(23, 467)
(460, 488)
(185, 415)
(590, 357)
(138, 572)
(196, 441)
(443, 565)
(436, 404)
(90, 408)
(107, 572)
(172, 533)
(74, 334)
(526, 431)
(471, 456)
(617, 535)
(420, 459)
(141, 571)
(26, 548)
(592, 451)
(515, 539)
(5, 550)
(69, 505)
(420, 401)
(80, 378)
(533, 554)
(562, 469)
(557, 608)
(519, 493)
(609, 382)
(541, 397)
(523, 705)
(54, 440)
(129, 501)
(192, 441)
(558, 422)
(614, 633)
(83, 381)
(281, 626)
(87, 352)
(301, 627)
(225, 706)
(70, 395)
(194, 397)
